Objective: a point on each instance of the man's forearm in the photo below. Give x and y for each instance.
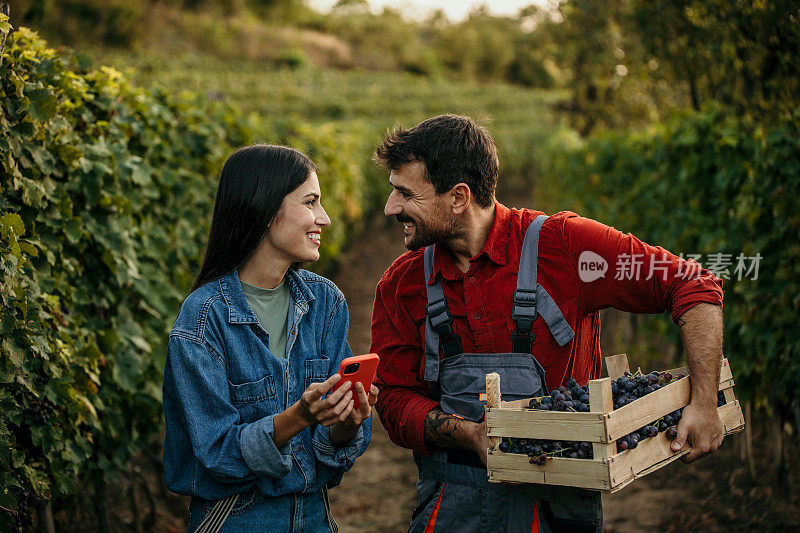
(442, 430)
(701, 330)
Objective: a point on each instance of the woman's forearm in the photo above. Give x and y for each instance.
(342, 433)
(287, 424)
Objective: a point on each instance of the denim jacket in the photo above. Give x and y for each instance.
(222, 388)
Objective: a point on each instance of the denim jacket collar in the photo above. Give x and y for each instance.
(239, 311)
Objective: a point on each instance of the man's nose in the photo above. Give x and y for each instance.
(392, 207)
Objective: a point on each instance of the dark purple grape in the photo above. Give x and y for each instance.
(622, 445)
(559, 397)
(671, 433)
(543, 407)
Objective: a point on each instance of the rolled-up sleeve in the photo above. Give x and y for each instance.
(640, 278)
(342, 456)
(228, 449)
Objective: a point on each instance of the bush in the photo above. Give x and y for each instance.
(711, 182)
(106, 192)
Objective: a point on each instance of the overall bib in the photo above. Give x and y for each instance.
(454, 491)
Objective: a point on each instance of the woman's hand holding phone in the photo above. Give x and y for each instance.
(330, 410)
(365, 401)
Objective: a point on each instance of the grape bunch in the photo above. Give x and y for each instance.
(539, 450)
(721, 399)
(631, 387)
(39, 412)
(568, 397)
(22, 517)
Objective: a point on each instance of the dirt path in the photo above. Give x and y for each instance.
(378, 493)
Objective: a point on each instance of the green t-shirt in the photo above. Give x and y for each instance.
(271, 307)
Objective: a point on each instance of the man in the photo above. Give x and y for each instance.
(468, 299)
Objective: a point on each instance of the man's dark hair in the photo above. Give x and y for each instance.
(454, 150)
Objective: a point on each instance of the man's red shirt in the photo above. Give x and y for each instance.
(480, 301)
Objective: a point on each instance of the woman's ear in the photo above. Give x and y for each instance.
(461, 197)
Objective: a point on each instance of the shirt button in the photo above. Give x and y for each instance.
(297, 449)
(472, 279)
(477, 316)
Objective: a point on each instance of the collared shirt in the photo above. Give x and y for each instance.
(480, 301)
(223, 388)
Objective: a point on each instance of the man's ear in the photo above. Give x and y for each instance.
(462, 196)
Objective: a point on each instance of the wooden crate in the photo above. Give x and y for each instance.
(609, 470)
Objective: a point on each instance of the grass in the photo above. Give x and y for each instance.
(521, 120)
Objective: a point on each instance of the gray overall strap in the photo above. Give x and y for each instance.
(530, 298)
(438, 324)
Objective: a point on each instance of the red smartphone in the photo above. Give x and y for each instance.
(358, 368)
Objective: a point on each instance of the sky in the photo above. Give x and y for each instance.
(455, 10)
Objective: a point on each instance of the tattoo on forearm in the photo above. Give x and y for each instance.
(440, 429)
(681, 323)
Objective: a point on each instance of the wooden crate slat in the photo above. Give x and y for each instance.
(731, 416)
(725, 373)
(601, 401)
(655, 452)
(657, 404)
(545, 425)
(646, 410)
(617, 365)
(557, 471)
(516, 404)
(649, 455)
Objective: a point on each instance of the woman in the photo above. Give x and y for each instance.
(254, 434)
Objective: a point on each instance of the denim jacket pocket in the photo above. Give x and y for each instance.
(317, 370)
(254, 400)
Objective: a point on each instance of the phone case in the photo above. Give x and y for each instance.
(366, 366)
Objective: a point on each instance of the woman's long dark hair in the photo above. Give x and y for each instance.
(252, 185)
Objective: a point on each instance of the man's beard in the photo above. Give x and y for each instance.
(425, 235)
